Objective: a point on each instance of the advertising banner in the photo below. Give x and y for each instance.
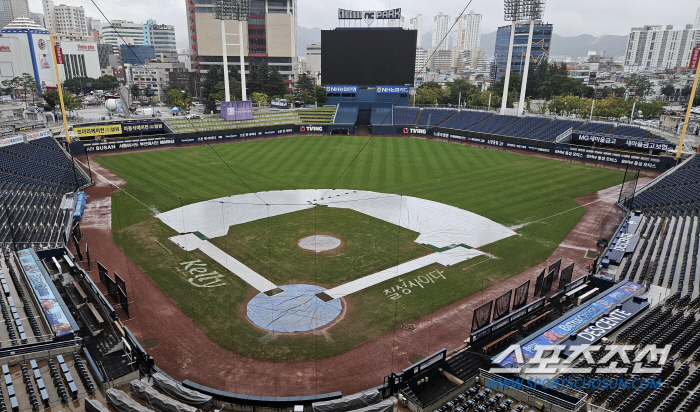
(341, 89)
(38, 135)
(694, 57)
(105, 130)
(11, 140)
(59, 52)
(237, 110)
(49, 304)
(131, 128)
(582, 317)
(392, 89)
(621, 141)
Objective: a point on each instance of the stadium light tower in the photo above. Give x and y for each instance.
(232, 10)
(514, 11)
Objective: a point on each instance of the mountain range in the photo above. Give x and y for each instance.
(576, 46)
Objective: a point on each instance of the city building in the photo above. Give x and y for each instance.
(313, 58)
(81, 59)
(270, 34)
(467, 33)
(184, 80)
(183, 55)
(443, 60)
(416, 24)
(160, 36)
(659, 47)
(93, 24)
(26, 48)
(104, 52)
(14, 9)
(155, 75)
(697, 25)
(441, 26)
(421, 60)
(137, 54)
(122, 32)
(397, 22)
(541, 43)
(64, 19)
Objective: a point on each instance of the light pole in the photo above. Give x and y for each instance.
(232, 10)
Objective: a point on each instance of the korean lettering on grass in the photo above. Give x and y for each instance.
(404, 287)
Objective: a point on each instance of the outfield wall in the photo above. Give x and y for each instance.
(583, 153)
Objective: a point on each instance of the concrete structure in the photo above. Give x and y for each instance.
(80, 60)
(421, 60)
(270, 34)
(467, 33)
(137, 54)
(183, 80)
(104, 51)
(397, 22)
(65, 19)
(541, 43)
(313, 58)
(183, 55)
(443, 60)
(441, 26)
(416, 23)
(122, 32)
(160, 36)
(658, 48)
(155, 75)
(697, 25)
(14, 9)
(25, 47)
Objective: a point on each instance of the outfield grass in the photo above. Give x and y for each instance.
(511, 189)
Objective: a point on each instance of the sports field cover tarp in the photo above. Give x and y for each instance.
(92, 405)
(350, 402)
(383, 406)
(439, 224)
(159, 401)
(123, 403)
(178, 391)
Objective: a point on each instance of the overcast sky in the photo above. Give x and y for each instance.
(570, 17)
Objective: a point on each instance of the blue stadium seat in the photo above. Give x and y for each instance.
(465, 119)
(524, 126)
(381, 116)
(405, 115)
(493, 124)
(346, 115)
(552, 130)
(595, 127)
(433, 117)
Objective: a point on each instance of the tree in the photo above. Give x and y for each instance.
(259, 98)
(178, 98)
(650, 109)
(639, 85)
(29, 84)
(320, 95)
(135, 91)
(463, 87)
(51, 98)
(668, 90)
(267, 80)
(304, 83)
(212, 86)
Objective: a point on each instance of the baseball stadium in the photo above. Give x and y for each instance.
(366, 255)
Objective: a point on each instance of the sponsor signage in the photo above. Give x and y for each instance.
(59, 52)
(5, 49)
(11, 140)
(693, 57)
(372, 15)
(86, 47)
(579, 319)
(310, 129)
(341, 89)
(106, 130)
(622, 142)
(38, 135)
(414, 130)
(50, 305)
(237, 110)
(392, 89)
(130, 128)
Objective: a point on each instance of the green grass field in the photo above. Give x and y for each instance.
(511, 189)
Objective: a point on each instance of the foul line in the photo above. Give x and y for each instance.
(112, 184)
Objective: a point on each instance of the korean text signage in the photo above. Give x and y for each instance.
(695, 57)
(106, 130)
(621, 142)
(59, 52)
(11, 140)
(38, 135)
(392, 89)
(341, 89)
(49, 304)
(131, 128)
(237, 110)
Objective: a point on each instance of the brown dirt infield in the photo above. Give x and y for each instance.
(185, 352)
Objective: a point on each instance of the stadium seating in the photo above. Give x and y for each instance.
(629, 131)
(550, 131)
(346, 115)
(679, 190)
(321, 115)
(524, 126)
(464, 119)
(405, 115)
(381, 116)
(433, 117)
(493, 124)
(595, 127)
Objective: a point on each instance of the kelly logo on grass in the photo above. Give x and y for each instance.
(198, 275)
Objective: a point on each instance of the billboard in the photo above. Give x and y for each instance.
(368, 57)
(100, 130)
(142, 127)
(237, 110)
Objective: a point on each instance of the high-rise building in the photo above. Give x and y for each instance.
(397, 22)
(93, 24)
(467, 33)
(441, 26)
(421, 60)
(160, 36)
(656, 47)
(697, 25)
(122, 32)
(270, 35)
(313, 58)
(541, 42)
(416, 24)
(14, 9)
(64, 19)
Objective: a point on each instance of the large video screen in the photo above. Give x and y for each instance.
(368, 57)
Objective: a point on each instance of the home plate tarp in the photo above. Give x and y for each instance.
(349, 403)
(121, 402)
(158, 400)
(454, 231)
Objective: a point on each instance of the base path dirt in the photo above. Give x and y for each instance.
(185, 352)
